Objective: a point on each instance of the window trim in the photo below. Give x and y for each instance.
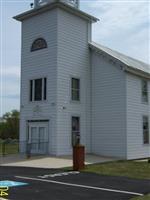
(147, 143)
(33, 89)
(75, 77)
(147, 92)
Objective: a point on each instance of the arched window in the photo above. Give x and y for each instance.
(38, 44)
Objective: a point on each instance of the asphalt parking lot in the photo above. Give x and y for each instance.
(49, 184)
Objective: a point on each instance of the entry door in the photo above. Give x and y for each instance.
(38, 137)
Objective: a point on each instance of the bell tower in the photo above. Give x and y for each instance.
(39, 3)
(55, 53)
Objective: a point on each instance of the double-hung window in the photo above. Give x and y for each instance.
(38, 89)
(144, 91)
(145, 129)
(75, 89)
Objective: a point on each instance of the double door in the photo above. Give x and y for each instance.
(38, 137)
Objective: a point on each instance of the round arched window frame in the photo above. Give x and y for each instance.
(38, 44)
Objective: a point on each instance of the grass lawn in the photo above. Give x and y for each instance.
(146, 197)
(131, 169)
(9, 149)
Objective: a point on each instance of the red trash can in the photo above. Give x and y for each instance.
(78, 157)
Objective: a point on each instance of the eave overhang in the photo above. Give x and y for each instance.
(51, 6)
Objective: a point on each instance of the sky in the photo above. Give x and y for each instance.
(124, 26)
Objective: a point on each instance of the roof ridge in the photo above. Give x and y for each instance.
(119, 53)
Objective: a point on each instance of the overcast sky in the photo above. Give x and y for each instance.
(123, 26)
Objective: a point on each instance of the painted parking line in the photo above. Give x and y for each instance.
(80, 186)
(59, 174)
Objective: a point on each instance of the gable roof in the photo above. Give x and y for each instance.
(58, 4)
(131, 65)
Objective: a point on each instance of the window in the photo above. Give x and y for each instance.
(75, 89)
(38, 89)
(145, 130)
(144, 91)
(38, 44)
(75, 131)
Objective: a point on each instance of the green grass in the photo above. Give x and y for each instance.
(131, 169)
(146, 197)
(9, 149)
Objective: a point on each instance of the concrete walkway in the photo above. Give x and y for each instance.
(49, 162)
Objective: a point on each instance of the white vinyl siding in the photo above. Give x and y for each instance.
(135, 112)
(67, 56)
(108, 108)
(73, 61)
(35, 65)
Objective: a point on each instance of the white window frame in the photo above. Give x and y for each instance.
(71, 88)
(146, 116)
(79, 131)
(33, 89)
(144, 99)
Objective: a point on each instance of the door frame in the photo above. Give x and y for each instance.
(38, 124)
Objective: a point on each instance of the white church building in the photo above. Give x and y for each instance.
(74, 89)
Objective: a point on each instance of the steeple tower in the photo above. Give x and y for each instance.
(39, 3)
(55, 57)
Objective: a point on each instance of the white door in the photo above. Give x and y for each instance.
(38, 137)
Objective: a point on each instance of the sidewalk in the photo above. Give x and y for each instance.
(49, 162)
